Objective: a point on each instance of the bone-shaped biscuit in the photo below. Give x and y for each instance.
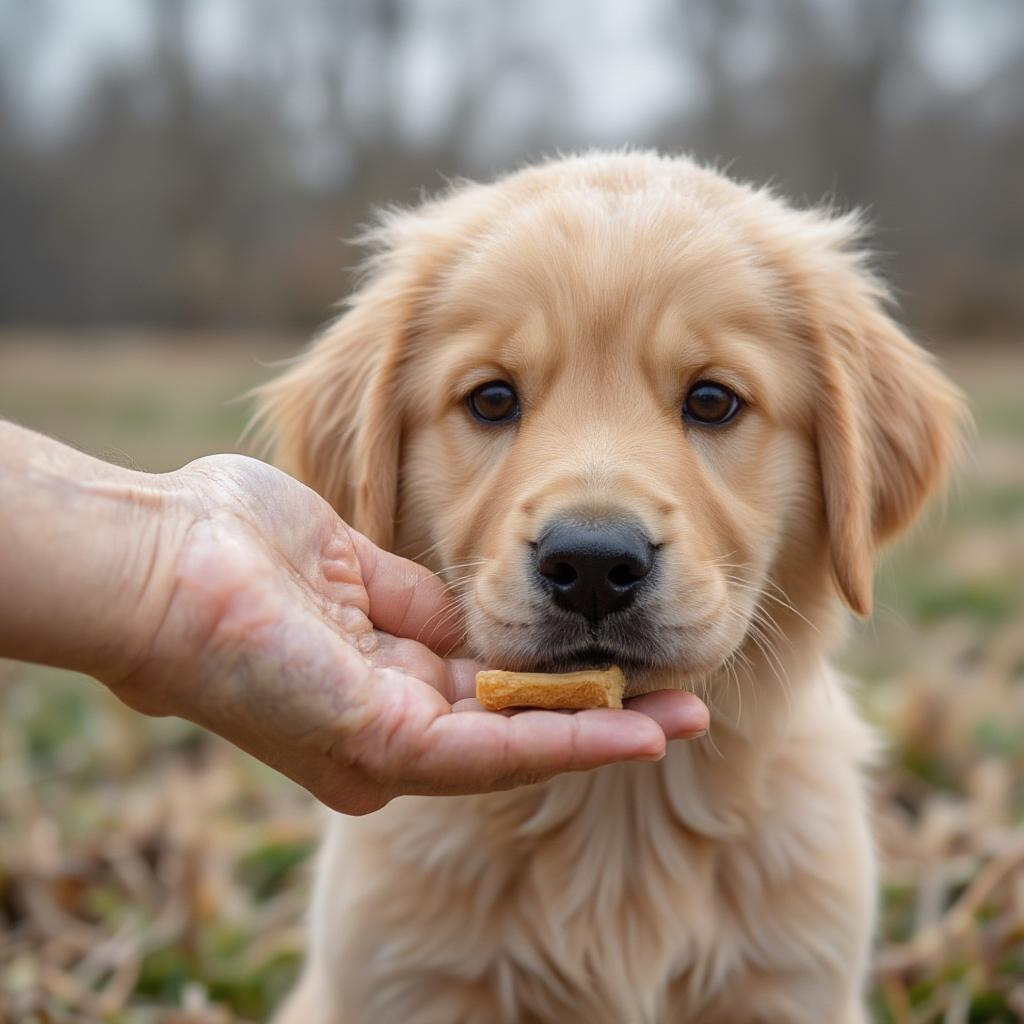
(591, 688)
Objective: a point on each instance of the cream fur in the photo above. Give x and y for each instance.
(733, 881)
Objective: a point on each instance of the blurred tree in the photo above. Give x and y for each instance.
(208, 176)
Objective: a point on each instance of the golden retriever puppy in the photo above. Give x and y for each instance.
(637, 413)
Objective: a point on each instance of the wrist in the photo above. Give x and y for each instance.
(86, 561)
(148, 516)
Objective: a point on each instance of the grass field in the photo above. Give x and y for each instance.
(149, 872)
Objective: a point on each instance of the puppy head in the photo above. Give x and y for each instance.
(634, 411)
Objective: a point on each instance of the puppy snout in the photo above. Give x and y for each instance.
(594, 569)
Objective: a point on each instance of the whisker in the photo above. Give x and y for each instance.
(431, 548)
(443, 616)
(773, 661)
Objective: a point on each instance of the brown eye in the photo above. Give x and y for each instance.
(493, 402)
(710, 403)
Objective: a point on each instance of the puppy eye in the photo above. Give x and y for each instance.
(710, 403)
(493, 402)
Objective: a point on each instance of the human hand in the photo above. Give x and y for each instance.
(294, 637)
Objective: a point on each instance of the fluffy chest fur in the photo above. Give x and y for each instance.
(639, 892)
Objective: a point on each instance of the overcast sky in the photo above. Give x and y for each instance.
(621, 73)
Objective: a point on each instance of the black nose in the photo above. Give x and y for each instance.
(594, 569)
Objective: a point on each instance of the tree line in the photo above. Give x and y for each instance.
(183, 189)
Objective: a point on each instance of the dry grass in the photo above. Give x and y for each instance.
(149, 872)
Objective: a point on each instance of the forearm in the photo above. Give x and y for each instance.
(83, 547)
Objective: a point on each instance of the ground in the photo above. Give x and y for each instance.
(149, 872)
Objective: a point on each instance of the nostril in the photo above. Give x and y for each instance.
(625, 574)
(562, 574)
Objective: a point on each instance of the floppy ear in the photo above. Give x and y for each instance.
(887, 427)
(333, 420)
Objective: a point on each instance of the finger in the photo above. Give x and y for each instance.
(476, 751)
(454, 679)
(461, 683)
(405, 598)
(681, 715)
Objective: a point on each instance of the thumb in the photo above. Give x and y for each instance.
(406, 599)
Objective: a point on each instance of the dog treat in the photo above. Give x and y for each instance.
(592, 688)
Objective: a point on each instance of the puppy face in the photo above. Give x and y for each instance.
(609, 439)
(624, 404)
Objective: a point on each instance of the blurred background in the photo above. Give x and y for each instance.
(177, 179)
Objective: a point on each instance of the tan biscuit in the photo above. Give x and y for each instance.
(592, 688)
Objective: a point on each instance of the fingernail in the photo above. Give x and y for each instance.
(690, 730)
(655, 755)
